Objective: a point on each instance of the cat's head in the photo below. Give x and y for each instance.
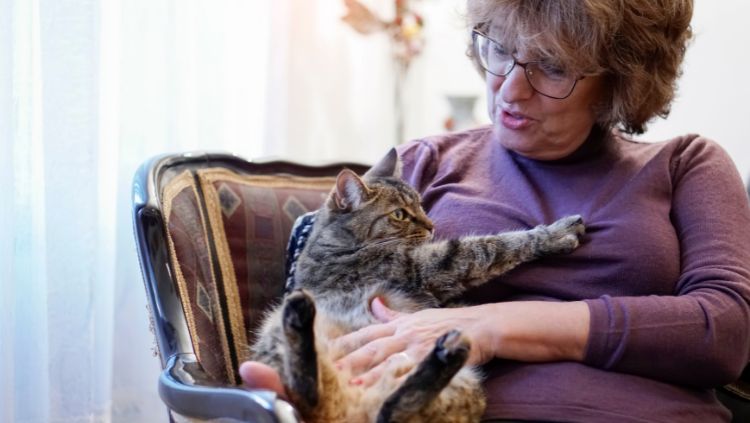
(378, 206)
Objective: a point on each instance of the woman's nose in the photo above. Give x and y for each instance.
(515, 86)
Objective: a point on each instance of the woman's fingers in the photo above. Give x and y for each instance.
(256, 375)
(381, 311)
(353, 341)
(397, 364)
(371, 354)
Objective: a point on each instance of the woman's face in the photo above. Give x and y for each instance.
(536, 126)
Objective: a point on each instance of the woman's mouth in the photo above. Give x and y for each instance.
(515, 121)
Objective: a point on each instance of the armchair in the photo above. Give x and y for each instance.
(211, 231)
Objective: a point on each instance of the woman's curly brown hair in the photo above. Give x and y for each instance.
(638, 45)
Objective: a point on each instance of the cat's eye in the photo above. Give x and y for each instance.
(399, 214)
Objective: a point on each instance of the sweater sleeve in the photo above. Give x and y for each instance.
(700, 336)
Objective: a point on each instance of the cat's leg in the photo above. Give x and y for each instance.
(422, 386)
(446, 269)
(300, 375)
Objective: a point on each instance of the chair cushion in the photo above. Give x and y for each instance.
(300, 232)
(227, 234)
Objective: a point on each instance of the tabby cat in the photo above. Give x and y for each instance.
(372, 238)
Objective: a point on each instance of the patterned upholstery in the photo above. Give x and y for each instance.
(227, 236)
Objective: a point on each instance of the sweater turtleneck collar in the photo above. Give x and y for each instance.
(593, 147)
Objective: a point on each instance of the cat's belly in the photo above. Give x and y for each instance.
(340, 400)
(347, 402)
(348, 311)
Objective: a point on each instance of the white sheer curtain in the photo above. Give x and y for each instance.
(56, 299)
(91, 88)
(332, 88)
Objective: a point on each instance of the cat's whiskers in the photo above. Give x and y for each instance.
(382, 242)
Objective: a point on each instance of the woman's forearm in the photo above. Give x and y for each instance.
(525, 331)
(538, 331)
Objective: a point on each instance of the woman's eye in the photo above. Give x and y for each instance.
(552, 70)
(498, 51)
(398, 214)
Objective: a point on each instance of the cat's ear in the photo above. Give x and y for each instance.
(350, 190)
(388, 166)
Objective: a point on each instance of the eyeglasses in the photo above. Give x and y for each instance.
(545, 78)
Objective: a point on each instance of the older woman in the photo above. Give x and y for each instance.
(652, 311)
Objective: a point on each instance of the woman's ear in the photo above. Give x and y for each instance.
(350, 190)
(388, 166)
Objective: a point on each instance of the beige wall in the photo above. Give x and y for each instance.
(714, 96)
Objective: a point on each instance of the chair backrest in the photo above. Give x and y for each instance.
(212, 231)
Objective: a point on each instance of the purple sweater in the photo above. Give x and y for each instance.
(664, 268)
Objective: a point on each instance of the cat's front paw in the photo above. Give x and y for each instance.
(562, 237)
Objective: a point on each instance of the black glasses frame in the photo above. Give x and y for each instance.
(478, 57)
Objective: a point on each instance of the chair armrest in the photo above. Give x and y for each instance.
(740, 389)
(736, 397)
(184, 395)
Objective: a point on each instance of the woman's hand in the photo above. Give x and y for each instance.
(532, 331)
(404, 339)
(256, 375)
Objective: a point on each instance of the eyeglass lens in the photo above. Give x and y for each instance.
(545, 78)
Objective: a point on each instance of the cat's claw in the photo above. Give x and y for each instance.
(452, 346)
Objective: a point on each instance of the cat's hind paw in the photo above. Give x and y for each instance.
(452, 347)
(300, 375)
(299, 311)
(423, 385)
